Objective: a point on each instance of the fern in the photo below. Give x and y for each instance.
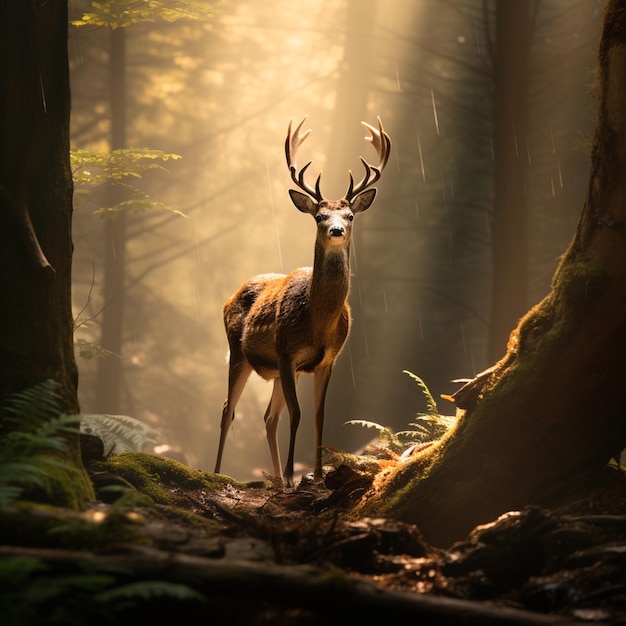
(34, 405)
(385, 435)
(427, 426)
(120, 433)
(148, 590)
(31, 451)
(431, 405)
(86, 592)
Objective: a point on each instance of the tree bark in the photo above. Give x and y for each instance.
(553, 407)
(36, 324)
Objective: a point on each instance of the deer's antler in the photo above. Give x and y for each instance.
(382, 144)
(292, 145)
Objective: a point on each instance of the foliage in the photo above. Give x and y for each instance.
(32, 449)
(138, 205)
(119, 433)
(82, 592)
(87, 349)
(92, 169)
(427, 426)
(123, 13)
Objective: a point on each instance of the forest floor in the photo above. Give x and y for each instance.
(257, 554)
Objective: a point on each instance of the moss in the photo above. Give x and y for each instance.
(160, 478)
(335, 578)
(580, 284)
(35, 524)
(65, 484)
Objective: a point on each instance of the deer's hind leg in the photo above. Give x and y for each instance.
(238, 373)
(272, 417)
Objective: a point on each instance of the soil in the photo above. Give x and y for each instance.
(259, 554)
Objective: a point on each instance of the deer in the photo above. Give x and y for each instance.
(281, 326)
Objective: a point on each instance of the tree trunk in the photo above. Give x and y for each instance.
(509, 298)
(553, 407)
(36, 325)
(110, 370)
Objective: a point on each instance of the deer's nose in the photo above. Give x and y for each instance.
(337, 231)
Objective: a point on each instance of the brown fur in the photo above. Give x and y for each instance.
(283, 325)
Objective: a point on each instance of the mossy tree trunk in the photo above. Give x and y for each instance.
(553, 408)
(36, 325)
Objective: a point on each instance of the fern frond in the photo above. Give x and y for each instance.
(32, 451)
(120, 433)
(431, 405)
(9, 493)
(34, 405)
(386, 435)
(60, 424)
(366, 424)
(148, 590)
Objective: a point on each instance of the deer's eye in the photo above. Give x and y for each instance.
(321, 218)
(350, 217)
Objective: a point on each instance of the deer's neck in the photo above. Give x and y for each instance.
(330, 282)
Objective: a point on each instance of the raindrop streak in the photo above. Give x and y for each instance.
(463, 340)
(419, 149)
(398, 78)
(558, 165)
(552, 139)
(355, 272)
(195, 270)
(385, 299)
(450, 238)
(269, 187)
(432, 96)
(443, 193)
(419, 322)
(351, 368)
(367, 345)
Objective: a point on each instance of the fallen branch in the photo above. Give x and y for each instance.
(332, 594)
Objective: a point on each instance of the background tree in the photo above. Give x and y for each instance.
(36, 210)
(510, 223)
(220, 93)
(552, 409)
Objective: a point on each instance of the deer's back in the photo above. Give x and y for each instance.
(270, 314)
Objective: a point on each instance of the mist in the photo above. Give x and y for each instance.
(219, 92)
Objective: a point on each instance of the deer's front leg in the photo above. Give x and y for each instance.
(288, 381)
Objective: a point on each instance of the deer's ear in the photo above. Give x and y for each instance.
(363, 201)
(303, 202)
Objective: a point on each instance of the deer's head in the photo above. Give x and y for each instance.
(334, 217)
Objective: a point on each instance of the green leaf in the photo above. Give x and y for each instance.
(95, 168)
(135, 206)
(148, 590)
(124, 13)
(431, 405)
